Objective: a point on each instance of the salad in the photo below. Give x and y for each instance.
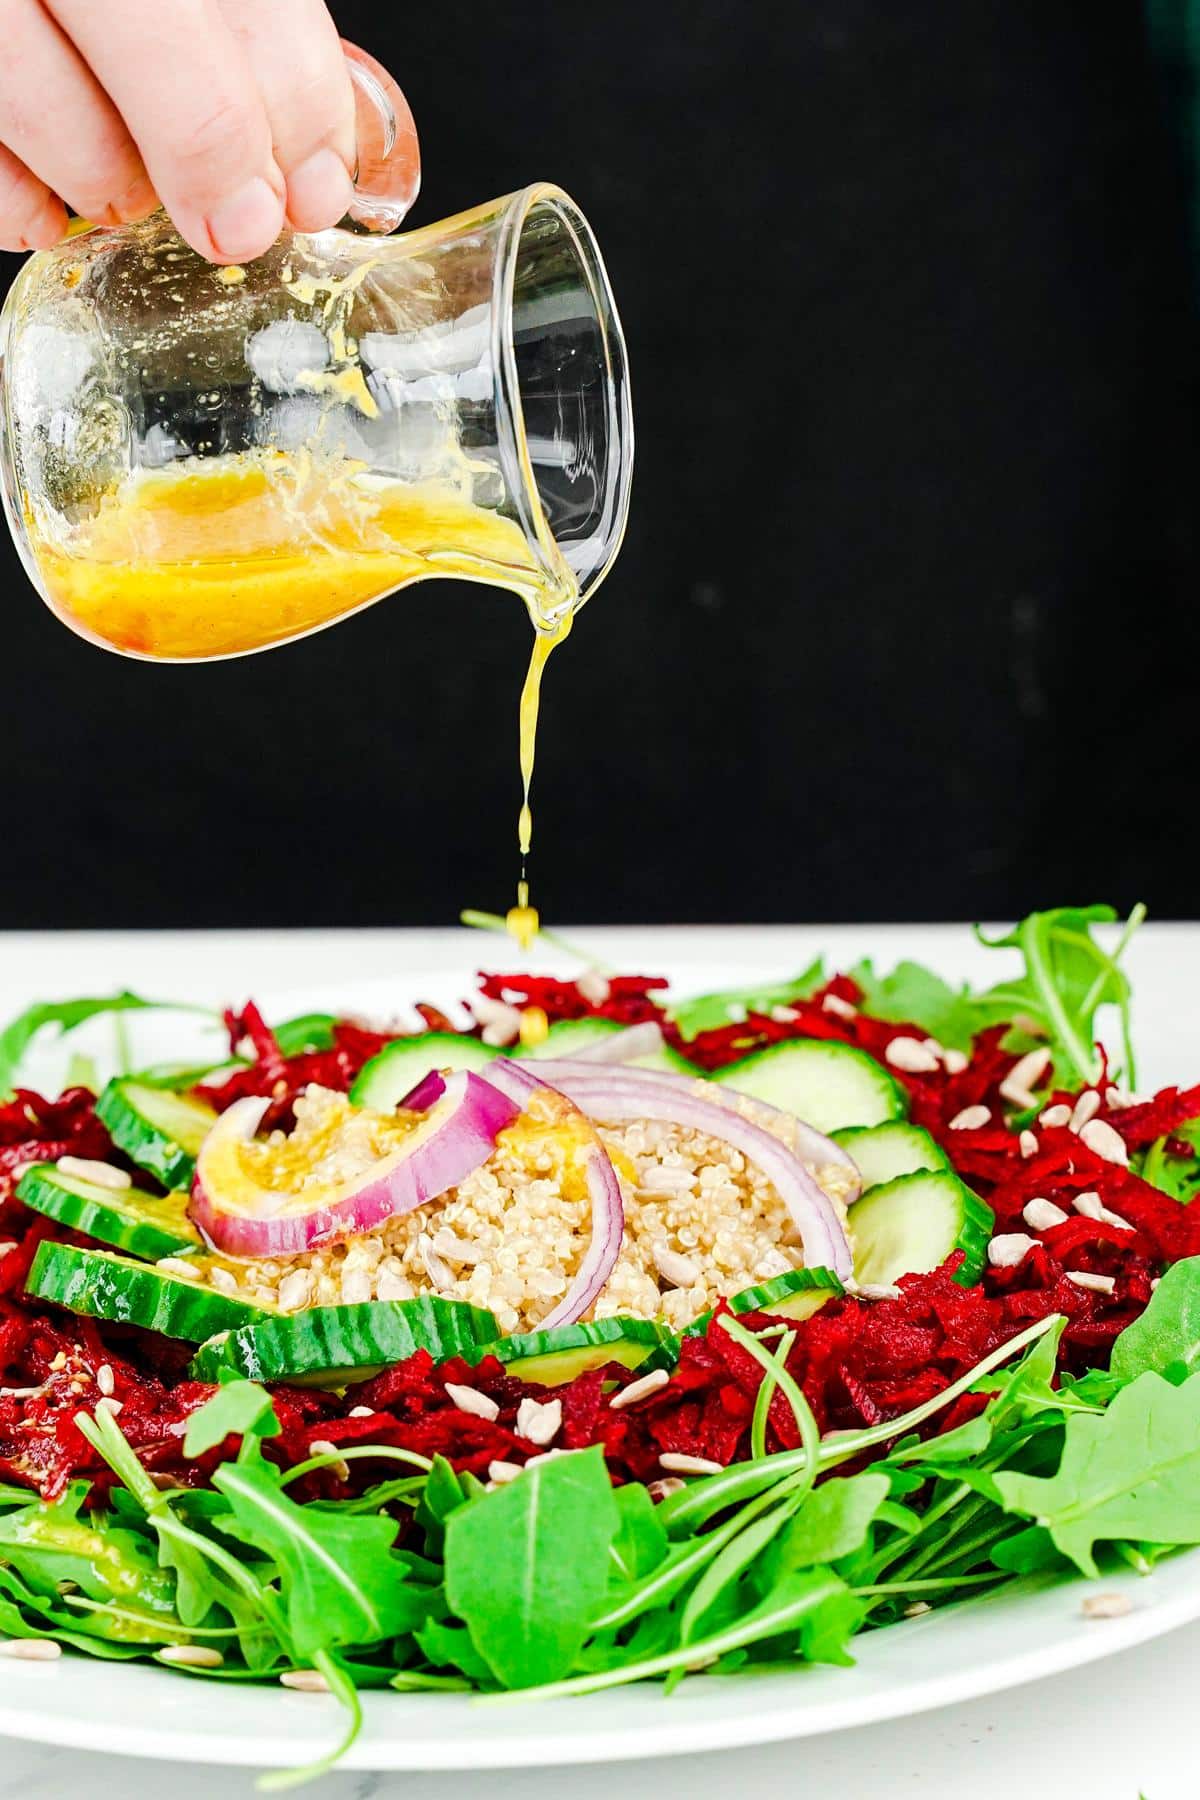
(616, 1337)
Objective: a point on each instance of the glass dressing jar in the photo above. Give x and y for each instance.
(199, 462)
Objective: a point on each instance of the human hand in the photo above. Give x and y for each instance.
(236, 115)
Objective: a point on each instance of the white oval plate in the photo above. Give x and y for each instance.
(1031, 1630)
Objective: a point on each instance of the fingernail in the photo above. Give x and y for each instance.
(247, 223)
(319, 191)
(137, 202)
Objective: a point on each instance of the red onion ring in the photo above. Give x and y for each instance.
(622, 1096)
(457, 1138)
(812, 1146)
(517, 1083)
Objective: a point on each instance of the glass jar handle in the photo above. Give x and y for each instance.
(387, 176)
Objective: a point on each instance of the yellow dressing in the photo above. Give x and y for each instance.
(218, 556)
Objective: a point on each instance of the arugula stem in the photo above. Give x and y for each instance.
(759, 1624)
(341, 1685)
(349, 1452)
(1042, 974)
(928, 1587)
(486, 921)
(712, 1493)
(776, 1375)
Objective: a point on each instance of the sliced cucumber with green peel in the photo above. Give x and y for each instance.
(103, 1286)
(387, 1078)
(828, 1085)
(560, 1354)
(148, 1225)
(795, 1295)
(337, 1345)
(911, 1225)
(885, 1152)
(161, 1131)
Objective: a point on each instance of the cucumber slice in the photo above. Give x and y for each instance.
(911, 1225)
(161, 1131)
(338, 1345)
(103, 1286)
(147, 1225)
(565, 1351)
(885, 1152)
(796, 1295)
(387, 1078)
(828, 1085)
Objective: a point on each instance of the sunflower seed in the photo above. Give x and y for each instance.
(31, 1649)
(1106, 1606)
(1085, 1108)
(1104, 1142)
(971, 1118)
(1055, 1116)
(594, 986)
(100, 1174)
(1095, 1284)
(305, 1681)
(191, 1656)
(104, 1379)
(470, 1400)
(1023, 1077)
(1027, 1144)
(910, 1056)
(501, 1473)
(677, 1462)
(539, 1422)
(1009, 1249)
(1040, 1214)
(842, 1009)
(639, 1389)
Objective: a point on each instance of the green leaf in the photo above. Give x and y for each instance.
(914, 995)
(25, 1613)
(452, 1647)
(641, 1541)
(1166, 1337)
(527, 1566)
(311, 1031)
(51, 1543)
(721, 1581)
(339, 1582)
(834, 1520)
(1132, 1472)
(67, 1015)
(238, 1408)
(709, 1012)
(1068, 977)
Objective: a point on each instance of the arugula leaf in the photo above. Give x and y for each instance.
(311, 1031)
(709, 1012)
(235, 1410)
(452, 1647)
(48, 1543)
(67, 1015)
(833, 1521)
(25, 1613)
(1068, 977)
(641, 1541)
(339, 1581)
(1178, 1176)
(1132, 1472)
(914, 995)
(527, 1566)
(1166, 1337)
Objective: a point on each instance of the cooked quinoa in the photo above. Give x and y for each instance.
(700, 1222)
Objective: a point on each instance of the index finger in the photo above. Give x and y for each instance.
(184, 88)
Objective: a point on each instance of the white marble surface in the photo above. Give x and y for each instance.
(1119, 1729)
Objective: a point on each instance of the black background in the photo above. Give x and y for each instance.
(905, 624)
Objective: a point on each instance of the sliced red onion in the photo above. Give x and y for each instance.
(812, 1146)
(518, 1084)
(456, 1138)
(621, 1096)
